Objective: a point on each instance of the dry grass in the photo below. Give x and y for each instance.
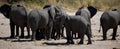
(71, 5)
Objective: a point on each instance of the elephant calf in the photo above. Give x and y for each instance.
(87, 13)
(76, 24)
(110, 19)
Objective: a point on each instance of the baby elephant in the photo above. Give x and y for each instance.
(76, 24)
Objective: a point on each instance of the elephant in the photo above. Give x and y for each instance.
(42, 19)
(74, 24)
(17, 15)
(58, 28)
(41, 32)
(87, 13)
(108, 20)
(39, 19)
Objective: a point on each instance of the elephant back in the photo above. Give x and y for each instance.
(89, 11)
(18, 15)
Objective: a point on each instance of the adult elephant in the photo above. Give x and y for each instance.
(87, 13)
(52, 12)
(76, 24)
(42, 19)
(57, 30)
(108, 20)
(41, 33)
(17, 15)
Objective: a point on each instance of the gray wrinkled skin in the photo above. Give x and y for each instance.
(17, 16)
(87, 13)
(108, 20)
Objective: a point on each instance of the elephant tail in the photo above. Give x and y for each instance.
(99, 28)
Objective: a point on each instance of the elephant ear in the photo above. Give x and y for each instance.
(59, 11)
(51, 12)
(92, 10)
(47, 6)
(5, 9)
(79, 11)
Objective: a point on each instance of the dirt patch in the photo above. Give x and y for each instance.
(97, 43)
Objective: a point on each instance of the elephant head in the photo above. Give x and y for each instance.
(5, 9)
(60, 15)
(51, 10)
(90, 10)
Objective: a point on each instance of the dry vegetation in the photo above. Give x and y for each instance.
(70, 4)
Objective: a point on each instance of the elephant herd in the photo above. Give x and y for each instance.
(49, 22)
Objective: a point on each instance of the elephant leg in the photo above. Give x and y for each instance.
(22, 32)
(49, 30)
(69, 37)
(33, 34)
(89, 37)
(28, 30)
(104, 33)
(58, 33)
(114, 33)
(49, 33)
(37, 35)
(12, 27)
(53, 34)
(81, 35)
(89, 34)
(62, 33)
(43, 33)
(17, 30)
(90, 29)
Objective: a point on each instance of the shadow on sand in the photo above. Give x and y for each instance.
(5, 38)
(55, 44)
(21, 40)
(25, 39)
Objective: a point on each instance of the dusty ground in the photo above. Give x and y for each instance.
(6, 43)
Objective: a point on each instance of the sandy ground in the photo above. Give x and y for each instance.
(97, 43)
